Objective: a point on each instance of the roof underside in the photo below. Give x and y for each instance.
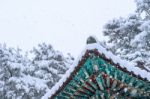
(95, 74)
(109, 70)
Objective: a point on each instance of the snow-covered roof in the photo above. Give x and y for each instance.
(91, 46)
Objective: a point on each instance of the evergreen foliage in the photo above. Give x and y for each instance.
(130, 37)
(24, 78)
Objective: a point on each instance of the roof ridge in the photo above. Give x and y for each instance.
(108, 55)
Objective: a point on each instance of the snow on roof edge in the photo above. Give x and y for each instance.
(123, 63)
(64, 78)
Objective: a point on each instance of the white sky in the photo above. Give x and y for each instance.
(63, 23)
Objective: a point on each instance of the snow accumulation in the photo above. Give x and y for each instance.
(129, 65)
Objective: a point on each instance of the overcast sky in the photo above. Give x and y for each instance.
(63, 23)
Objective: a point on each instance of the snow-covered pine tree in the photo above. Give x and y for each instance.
(49, 64)
(21, 78)
(143, 8)
(130, 37)
(11, 68)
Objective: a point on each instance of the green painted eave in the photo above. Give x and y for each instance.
(98, 78)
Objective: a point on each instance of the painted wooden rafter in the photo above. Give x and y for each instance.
(97, 76)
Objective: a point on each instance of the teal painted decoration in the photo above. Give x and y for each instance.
(99, 78)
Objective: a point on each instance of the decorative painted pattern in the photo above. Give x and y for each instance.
(98, 78)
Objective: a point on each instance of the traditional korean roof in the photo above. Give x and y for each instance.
(93, 47)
